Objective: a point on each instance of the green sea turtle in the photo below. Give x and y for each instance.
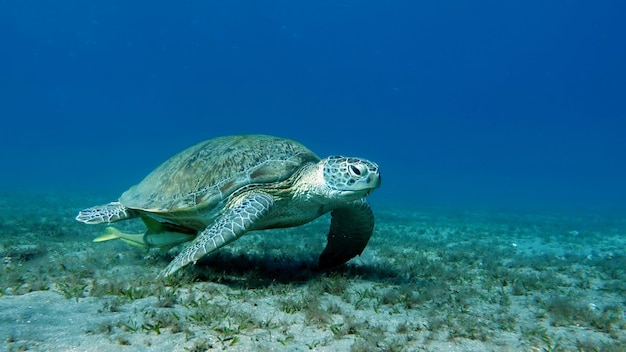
(216, 191)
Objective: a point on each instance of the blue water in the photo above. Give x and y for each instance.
(478, 104)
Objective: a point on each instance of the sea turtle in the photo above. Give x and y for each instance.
(216, 191)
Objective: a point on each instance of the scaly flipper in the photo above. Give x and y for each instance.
(234, 223)
(108, 213)
(350, 229)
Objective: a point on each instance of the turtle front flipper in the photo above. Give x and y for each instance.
(111, 212)
(233, 223)
(350, 229)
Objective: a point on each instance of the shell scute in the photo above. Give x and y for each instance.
(203, 175)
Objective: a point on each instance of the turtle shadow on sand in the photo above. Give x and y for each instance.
(256, 271)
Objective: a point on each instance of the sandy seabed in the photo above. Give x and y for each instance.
(429, 280)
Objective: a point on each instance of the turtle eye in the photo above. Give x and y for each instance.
(355, 171)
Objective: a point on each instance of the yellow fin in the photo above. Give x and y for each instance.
(111, 233)
(167, 240)
(163, 240)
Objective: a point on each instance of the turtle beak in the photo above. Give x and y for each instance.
(375, 179)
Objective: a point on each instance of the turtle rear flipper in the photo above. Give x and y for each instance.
(108, 213)
(350, 229)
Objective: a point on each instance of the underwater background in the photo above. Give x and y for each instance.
(499, 128)
(491, 103)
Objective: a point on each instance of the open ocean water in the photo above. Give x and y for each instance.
(498, 128)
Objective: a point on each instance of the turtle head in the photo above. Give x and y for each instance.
(349, 178)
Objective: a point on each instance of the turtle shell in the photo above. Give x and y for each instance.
(203, 175)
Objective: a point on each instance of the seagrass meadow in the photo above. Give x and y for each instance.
(497, 128)
(431, 279)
